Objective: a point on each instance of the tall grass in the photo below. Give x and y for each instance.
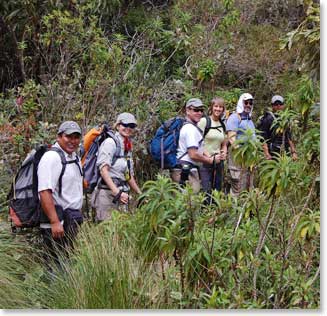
(105, 272)
(19, 272)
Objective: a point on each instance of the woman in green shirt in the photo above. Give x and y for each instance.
(215, 143)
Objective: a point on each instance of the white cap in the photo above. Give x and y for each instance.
(276, 98)
(247, 96)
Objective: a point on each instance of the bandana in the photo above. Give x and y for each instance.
(127, 144)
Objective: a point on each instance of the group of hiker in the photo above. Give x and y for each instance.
(204, 147)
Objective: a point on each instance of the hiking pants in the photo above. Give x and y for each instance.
(240, 178)
(193, 178)
(102, 202)
(211, 179)
(58, 248)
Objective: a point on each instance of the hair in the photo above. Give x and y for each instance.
(214, 101)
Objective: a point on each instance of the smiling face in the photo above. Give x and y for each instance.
(217, 109)
(248, 105)
(126, 130)
(194, 113)
(69, 143)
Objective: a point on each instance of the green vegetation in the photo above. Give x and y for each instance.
(89, 60)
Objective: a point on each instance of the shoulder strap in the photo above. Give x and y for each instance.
(63, 162)
(208, 125)
(118, 148)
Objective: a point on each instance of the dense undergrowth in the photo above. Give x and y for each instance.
(90, 60)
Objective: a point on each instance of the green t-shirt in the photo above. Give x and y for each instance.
(214, 138)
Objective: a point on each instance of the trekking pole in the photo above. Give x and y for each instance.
(213, 178)
(87, 211)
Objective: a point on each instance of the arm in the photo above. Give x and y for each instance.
(293, 150)
(231, 135)
(196, 156)
(104, 172)
(132, 183)
(49, 209)
(223, 149)
(266, 151)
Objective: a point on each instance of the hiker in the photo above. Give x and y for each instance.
(273, 140)
(240, 178)
(215, 144)
(190, 150)
(113, 191)
(60, 188)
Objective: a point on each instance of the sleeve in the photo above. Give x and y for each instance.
(106, 153)
(191, 135)
(49, 170)
(202, 124)
(232, 123)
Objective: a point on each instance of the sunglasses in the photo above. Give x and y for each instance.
(278, 103)
(130, 125)
(248, 102)
(197, 110)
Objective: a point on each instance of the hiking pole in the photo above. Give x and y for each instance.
(213, 178)
(87, 206)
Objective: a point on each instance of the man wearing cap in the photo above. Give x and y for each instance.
(60, 187)
(274, 140)
(117, 171)
(239, 121)
(190, 151)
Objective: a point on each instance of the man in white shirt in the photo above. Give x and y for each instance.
(60, 187)
(190, 151)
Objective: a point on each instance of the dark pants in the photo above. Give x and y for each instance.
(211, 179)
(59, 248)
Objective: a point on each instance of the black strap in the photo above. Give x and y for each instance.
(64, 162)
(208, 126)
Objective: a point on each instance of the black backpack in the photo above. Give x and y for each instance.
(24, 203)
(208, 126)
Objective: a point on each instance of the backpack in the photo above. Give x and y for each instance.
(208, 125)
(89, 153)
(24, 203)
(163, 146)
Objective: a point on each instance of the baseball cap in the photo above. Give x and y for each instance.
(276, 98)
(247, 96)
(126, 118)
(195, 102)
(69, 127)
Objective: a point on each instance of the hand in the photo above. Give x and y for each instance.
(124, 197)
(217, 158)
(223, 155)
(57, 230)
(268, 156)
(294, 156)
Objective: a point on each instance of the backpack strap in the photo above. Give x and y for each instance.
(209, 127)
(198, 128)
(64, 162)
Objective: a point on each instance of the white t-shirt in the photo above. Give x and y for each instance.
(190, 137)
(48, 172)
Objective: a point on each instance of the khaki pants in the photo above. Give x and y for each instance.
(102, 201)
(240, 178)
(193, 178)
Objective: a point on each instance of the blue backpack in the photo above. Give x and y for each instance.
(163, 146)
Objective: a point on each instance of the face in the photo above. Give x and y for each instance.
(217, 109)
(248, 105)
(69, 143)
(194, 114)
(277, 106)
(126, 130)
